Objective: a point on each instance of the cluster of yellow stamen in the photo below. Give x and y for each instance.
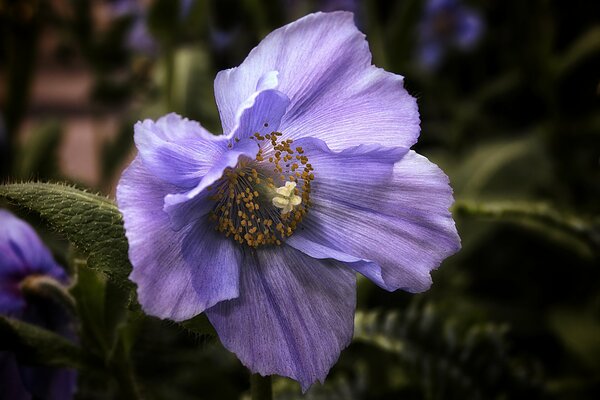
(262, 201)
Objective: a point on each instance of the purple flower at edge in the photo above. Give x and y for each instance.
(446, 24)
(23, 255)
(264, 227)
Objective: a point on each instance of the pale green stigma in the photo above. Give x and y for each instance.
(286, 197)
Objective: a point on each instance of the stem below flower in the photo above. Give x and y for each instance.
(260, 387)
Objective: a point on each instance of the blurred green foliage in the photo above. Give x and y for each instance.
(515, 123)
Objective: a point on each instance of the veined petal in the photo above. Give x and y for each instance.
(261, 113)
(324, 66)
(392, 215)
(174, 203)
(176, 150)
(293, 317)
(179, 273)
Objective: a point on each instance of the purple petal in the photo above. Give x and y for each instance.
(227, 159)
(177, 150)
(392, 215)
(293, 317)
(319, 251)
(179, 273)
(324, 66)
(262, 111)
(22, 249)
(22, 254)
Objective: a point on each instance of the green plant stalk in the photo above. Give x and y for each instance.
(536, 212)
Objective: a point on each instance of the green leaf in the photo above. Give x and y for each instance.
(559, 226)
(492, 169)
(34, 345)
(106, 331)
(91, 222)
(102, 307)
(446, 355)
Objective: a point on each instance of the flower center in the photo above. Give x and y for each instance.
(262, 201)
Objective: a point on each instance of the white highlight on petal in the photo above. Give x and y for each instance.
(286, 199)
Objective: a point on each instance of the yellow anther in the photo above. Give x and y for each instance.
(250, 205)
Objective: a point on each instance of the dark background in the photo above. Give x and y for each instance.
(513, 120)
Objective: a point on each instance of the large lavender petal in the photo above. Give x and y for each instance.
(392, 215)
(179, 273)
(177, 150)
(293, 317)
(262, 112)
(324, 66)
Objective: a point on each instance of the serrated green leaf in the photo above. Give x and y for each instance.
(91, 222)
(34, 345)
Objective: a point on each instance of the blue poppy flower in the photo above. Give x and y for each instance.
(264, 227)
(23, 257)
